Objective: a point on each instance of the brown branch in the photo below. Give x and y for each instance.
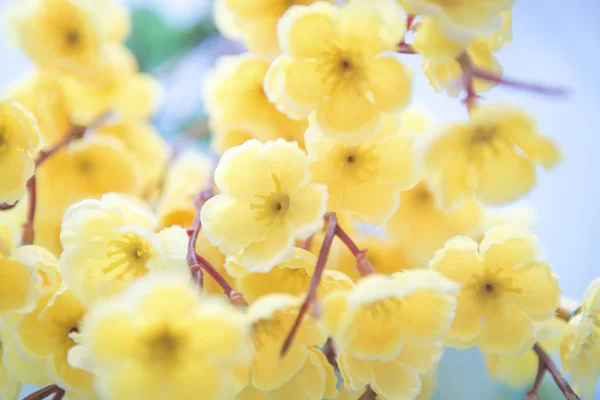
(539, 378)
(307, 243)
(512, 83)
(545, 362)
(28, 234)
(466, 64)
(6, 206)
(363, 266)
(369, 394)
(46, 392)
(314, 283)
(330, 353)
(405, 48)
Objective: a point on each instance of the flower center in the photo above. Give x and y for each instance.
(273, 207)
(346, 64)
(423, 196)
(128, 256)
(72, 37)
(483, 135)
(359, 162)
(3, 140)
(85, 166)
(163, 347)
(268, 330)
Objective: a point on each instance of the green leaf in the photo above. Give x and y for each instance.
(156, 43)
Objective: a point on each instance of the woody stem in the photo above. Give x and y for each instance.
(314, 283)
(46, 391)
(548, 364)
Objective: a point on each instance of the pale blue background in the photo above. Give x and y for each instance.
(555, 42)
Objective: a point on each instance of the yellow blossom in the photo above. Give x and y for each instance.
(110, 242)
(399, 378)
(520, 371)
(157, 339)
(492, 157)
(59, 35)
(145, 144)
(375, 320)
(20, 141)
(444, 72)
(580, 343)
(184, 181)
(433, 44)
(272, 317)
(87, 100)
(461, 19)
(505, 289)
(237, 102)
(420, 227)
(292, 276)
(335, 63)
(23, 276)
(113, 18)
(266, 189)
(386, 256)
(41, 93)
(254, 23)
(49, 332)
(86, 168)
(314, 381)
(226, 138)
(365, 179)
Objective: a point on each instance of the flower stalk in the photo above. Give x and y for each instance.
(51, 390)
(545, 363)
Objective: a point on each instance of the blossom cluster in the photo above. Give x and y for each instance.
(331, 248)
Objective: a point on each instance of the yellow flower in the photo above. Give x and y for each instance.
(334, 63)
(20, 141)
(314, 381)
(386, 256)
(461, 19)
(520, 371)
(399, 378)
(414, 120)
(272, 317)
(9, 386)
(113, 18)
(580, 343)
(273, 200)
(86, 168)
(365, 179)
(110, 242)
(375, 320)
(42, 94)
(433, 44)
(162, 339)
(24, 278)
(49, 332)
(292, 276)
(11, 227)
(225, 138)
(145, 144)
(236, 101)
(444, 72)
(492, 157)
(185, 179)
(505, 289)
(216, 259)
(255, 24)
(23, 366)
(580, 353)
(420, 227)
(87, 100)
(59, 35)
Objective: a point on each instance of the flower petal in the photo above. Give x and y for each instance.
(371, 201)
(307, 208)
(394, 380)
(275, 246)
(399, 163)
(390, 82)
(222, 218)
(539, 293)
(505, 330)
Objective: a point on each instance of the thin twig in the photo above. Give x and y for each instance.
(307, 243)
(314, 283)
(44, 393)
(6, 206)
(512, 83)
(28, 234)
(466, 64)
(369, 394)
(330, 353)
(363, 266)
(539, 378)
(75, 133)
(548, 364)
(405, 48)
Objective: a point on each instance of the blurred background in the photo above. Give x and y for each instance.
(555, 42)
